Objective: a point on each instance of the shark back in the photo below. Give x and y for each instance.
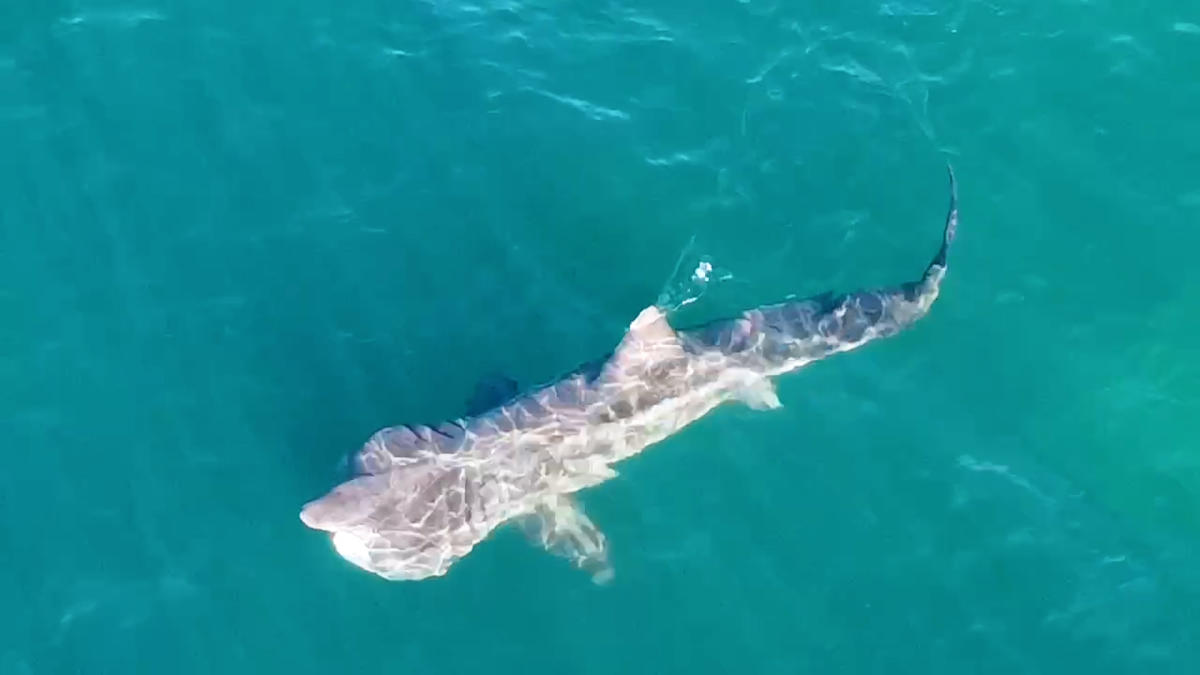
(425, 494)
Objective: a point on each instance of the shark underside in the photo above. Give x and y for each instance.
(424, 495)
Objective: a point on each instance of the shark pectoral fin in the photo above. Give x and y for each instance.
(759, 393)
(490, 392)
(585, 473)
(562, 528)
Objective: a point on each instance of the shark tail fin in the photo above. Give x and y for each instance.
(937, 267)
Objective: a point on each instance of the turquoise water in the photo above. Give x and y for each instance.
(237, 238)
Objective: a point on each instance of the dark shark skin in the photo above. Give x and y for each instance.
(424, 495)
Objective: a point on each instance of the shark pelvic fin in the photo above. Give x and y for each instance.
(759, 393)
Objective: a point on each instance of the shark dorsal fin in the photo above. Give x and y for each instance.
(650, 325)
(648, 341)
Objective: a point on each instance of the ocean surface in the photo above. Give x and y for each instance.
(236, 238)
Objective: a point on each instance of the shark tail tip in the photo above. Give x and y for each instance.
(938, 265)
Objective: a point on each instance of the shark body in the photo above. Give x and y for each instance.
(425, 495)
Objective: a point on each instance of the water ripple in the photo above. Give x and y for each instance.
(595, 112)
(114, 18)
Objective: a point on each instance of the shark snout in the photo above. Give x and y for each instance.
(314, 515)
(346, 504)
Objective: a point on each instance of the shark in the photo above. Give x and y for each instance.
(422, 496)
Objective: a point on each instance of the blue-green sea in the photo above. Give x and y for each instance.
(237, 238)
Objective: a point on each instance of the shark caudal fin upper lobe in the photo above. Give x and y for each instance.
(951, 229)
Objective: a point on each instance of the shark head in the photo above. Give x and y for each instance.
(408, 524)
